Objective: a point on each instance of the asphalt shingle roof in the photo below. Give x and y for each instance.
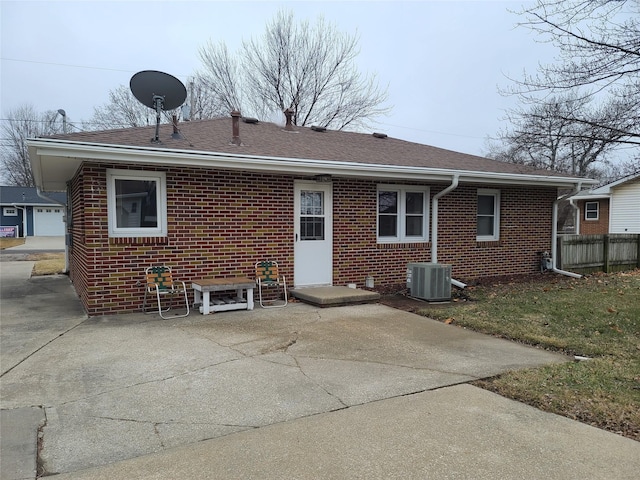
(272, 140)
(27, 196)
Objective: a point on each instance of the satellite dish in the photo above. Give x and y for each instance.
(159, 91)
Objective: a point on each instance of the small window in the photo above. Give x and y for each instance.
(137, 204)
(592, 210)
(488, 215)
(10, 212)
(312, 215)
(402, 213)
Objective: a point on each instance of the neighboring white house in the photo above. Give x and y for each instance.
(611, 208)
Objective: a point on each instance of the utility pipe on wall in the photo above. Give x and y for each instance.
(554, 233)
(434, 218)
(434, 225)
(24, 218)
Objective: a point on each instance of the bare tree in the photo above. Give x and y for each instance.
(221, 84)
(599, 56)
(546, 136)
(121, 111)
(22, 123)
(309, 69)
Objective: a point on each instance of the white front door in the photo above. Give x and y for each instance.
(313, 229)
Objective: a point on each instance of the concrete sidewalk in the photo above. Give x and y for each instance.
(301, 392)
(46, 244)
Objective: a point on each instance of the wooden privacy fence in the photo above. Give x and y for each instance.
(590, 253)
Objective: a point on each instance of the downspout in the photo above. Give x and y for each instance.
(434, 225)
(554, 233)
(24, 218)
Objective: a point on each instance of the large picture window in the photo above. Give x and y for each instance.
(488, 215)
(137, 204)
(403, 213)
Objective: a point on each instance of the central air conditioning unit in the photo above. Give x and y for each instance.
(429, 281)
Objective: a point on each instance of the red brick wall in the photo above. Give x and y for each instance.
(221, 222)
(525, 230)
(595, 227)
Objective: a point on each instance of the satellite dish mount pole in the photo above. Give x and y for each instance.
(158, 101)
(158, 91)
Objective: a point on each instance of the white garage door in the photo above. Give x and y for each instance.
(47, 221)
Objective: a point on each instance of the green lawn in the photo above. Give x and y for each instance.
(597, 317)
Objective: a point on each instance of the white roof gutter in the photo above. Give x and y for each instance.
(80, 151)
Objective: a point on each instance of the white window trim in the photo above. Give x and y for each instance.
(161, 198)
(496, 215)
(597, 211)
(10, 211)
(402, 190)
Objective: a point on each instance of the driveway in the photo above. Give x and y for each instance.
(363, 391)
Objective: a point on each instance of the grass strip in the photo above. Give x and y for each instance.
(597, 317)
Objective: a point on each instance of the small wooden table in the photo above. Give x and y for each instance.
(202, 289)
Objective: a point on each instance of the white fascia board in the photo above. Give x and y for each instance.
(194, 158)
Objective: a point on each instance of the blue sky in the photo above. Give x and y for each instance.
(443, 61)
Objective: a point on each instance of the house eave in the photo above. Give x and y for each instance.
(54, 162)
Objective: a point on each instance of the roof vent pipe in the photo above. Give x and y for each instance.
(434, 225)
(235, 127)
(288, 113)
(176, 132)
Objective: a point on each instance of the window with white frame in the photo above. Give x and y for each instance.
(10, 212)
(403, 213)
(592, 210)
(488, 215)
(137, 203)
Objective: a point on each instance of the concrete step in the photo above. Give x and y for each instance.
(334, 296)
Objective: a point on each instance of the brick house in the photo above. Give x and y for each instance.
(610, 208)
(212, 197)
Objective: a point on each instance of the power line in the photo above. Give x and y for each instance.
(65, 65)
(76, 66)
(430, 131)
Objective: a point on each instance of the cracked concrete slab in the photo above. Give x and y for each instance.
(134, 379)
(19, 442)
(119, 387)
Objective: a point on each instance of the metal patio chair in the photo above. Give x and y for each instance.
(159, 281)
(268, 275)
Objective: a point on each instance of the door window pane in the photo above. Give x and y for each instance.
(311, 203)
(312, 228)
(311, 215)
